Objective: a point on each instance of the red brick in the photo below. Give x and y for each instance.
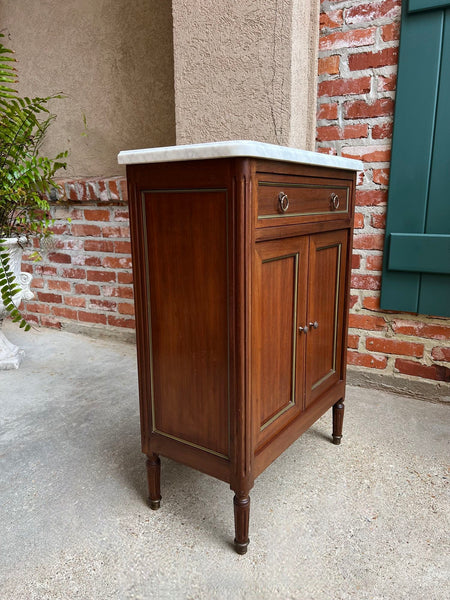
(96, 215)
(90, 261)
(88, 289)
(65, 244)
(105, 276)
(366, 360)
(372, 303)
(380, 132)
(348, 39)
(380, 176)
(125, 277)
(33, 318)
(371, 197)
(86, 230)
(366, 282)
(359, 221)
(356, 261)
(92, 191)
(116, 232)
(59, 228)
(331, 19)
(121, 215)
(122, 247)
(78, 301)
(390, 32)
(360, 109)
(359, 130)
(372, 60)
(66, 313)
(114, 189)
(328, 111)
(368, 153)
(46, 297)
(353, 300)
(441, 354)
(331, 151)
(330, 132)
(103, 304)
(47, 321)
(118, 292)
(35, 307)
(353, 341)
(125, 308)
(368, 241)
(74, 273)
(390, 346)
(99, 246)
(57, 257)
(89, 317)
(366, 13)
(64, 286)
(387, 83)
(333, 132)
(329, 65)
(374, 262)
(123, 189)
(121, 322)
(436, 332)
(113, 262)
(359, 321)
(37, 283)
(378, 221)
(342, 87)
(412, 367)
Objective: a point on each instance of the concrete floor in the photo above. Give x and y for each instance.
(365, 520)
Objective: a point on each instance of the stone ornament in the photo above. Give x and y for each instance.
(10, 354)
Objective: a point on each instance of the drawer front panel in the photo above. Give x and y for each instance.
(280, 202)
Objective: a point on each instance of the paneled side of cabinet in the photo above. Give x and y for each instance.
(187, 267)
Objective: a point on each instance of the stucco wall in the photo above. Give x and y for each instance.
(246, 70)
(114, 61)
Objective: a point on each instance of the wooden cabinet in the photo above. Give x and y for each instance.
(241, 273)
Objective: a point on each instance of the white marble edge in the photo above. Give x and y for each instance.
(235, 148)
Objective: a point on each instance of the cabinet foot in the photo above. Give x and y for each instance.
(338, 421)
(241, 522)
(153, 465)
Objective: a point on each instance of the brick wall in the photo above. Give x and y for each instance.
(357, 78)
(85, 276)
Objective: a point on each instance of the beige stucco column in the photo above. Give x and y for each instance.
(246, 70)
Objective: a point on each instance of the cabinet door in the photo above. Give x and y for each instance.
(326, 294)
(278, 308)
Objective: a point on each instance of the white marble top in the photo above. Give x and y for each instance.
(236, 148)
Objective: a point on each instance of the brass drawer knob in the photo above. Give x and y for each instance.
(334, 199)
(283, 201)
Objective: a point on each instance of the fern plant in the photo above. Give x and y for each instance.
(26, 177)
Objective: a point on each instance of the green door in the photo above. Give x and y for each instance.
(416, 267)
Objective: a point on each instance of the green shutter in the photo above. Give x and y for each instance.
(417, 248)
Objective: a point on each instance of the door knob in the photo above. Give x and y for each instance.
(314, 325)
(304, 329)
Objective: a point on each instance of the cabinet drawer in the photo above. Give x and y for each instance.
(303, 201)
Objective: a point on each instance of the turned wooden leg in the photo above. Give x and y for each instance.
(153, 465)
(241, 520)
(338, 420)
